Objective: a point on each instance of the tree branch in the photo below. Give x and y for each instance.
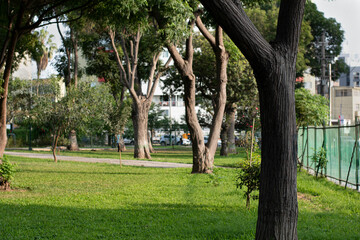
(157, 79)
(118, 60)
(242, 31)
(209, 37)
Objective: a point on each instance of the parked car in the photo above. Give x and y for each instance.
(206, 139)
(165, 140)
(186, 142)
(128, 141)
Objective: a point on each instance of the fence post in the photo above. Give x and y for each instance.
(339, 150)
(315, 143)
(324, 145)
(357, 151)
(307, 149)
(303, 147)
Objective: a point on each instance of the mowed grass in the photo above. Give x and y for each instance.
(71, 200)
(178, 154)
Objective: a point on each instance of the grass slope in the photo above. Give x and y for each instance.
(70, 200)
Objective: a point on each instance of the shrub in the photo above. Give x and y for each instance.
(7, 171)
(249, 176)
(320, 161)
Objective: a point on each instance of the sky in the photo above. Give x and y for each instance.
(346, 12)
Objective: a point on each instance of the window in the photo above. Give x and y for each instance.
(356, 75)
(343, 93)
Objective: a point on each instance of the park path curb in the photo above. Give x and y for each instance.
(139, 163)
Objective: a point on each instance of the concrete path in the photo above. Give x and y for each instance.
(140, 163)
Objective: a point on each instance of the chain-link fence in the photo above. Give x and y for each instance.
(341, 144)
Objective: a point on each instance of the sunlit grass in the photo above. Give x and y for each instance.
(71, 200)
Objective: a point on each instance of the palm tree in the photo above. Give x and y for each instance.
(42, 52)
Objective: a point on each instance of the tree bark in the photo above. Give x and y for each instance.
(224, 139)
(274, 68)
(203, 156)
(231, 131)
(5, 87)
(140, 122)
(74, 146)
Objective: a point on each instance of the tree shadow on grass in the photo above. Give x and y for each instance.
(164, 221)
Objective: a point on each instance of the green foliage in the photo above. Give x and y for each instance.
(310, 109)
(18, 102)
(320, 160)
(215, 178)
(334, 36)
(265, 17)
(249, 176)
(7, 171)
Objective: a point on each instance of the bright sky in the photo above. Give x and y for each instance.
(346, 12)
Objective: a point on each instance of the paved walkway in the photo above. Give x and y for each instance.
(140, 163)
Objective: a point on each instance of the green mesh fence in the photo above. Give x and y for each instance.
(342, 151)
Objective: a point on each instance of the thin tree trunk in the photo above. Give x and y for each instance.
(231, 131)
(74, 146)
(151, 149)
(224, 139)
(55, 142)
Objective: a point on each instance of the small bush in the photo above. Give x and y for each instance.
(320, 161)
(7, 171)
(249, 176)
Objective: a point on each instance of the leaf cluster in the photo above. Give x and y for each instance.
(249, 177)
(320, 160)
(310, 109)
(7, 171)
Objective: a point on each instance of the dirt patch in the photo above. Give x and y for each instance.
(305, 197)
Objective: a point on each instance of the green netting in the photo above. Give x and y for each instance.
(339, 143)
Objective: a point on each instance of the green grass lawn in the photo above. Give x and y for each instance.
(178, 154)
(71, 200)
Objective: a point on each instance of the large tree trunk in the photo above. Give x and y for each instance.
(140, 122)
(274, 68)
(3, 96)
(278, 208)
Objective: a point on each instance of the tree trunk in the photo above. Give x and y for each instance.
(231, 131)
(278, 209)
(140, 122)
(201, 161)
(3, 96)
(73, 141)
(224, 140)
(55, 142)
(274, 67)
(151, 149)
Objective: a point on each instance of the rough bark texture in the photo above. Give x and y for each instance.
(140, 121)
(203, 155)
(3, 96)
(231, 131)
(274, 68)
